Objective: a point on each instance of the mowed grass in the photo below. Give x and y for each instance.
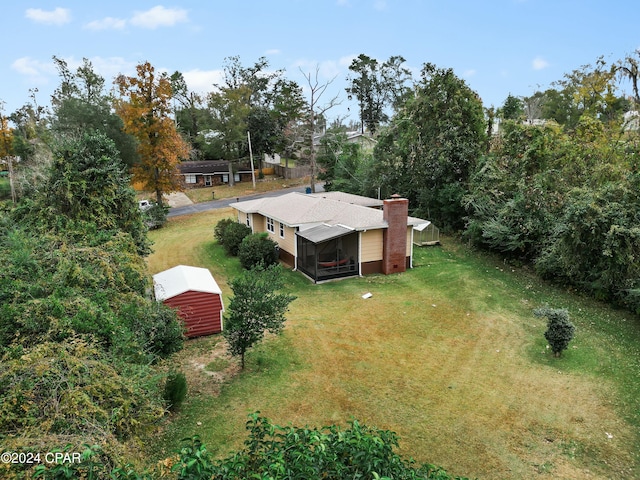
(267, 184)
(448, 355)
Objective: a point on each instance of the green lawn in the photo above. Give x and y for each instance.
(240, 189)
(448, 355)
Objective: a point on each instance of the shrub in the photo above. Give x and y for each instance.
(175, 390)
(218, 230)
(272, 451)
(230, 234)
(156, 216)
(560, 330)
(257, 249)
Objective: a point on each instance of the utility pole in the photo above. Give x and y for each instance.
(253, 172)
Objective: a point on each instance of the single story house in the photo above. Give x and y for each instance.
(207, 173)
(194, 293)
(333, 234)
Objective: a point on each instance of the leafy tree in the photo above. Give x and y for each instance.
(560, 330)
(88, 184)
(512, 109)
(628, 68)
(191, 115)
(366, 88)
(31, 142)
(376, 86)
(6, 150)
(431, 147)
(257, 250)
(255, 308)
(514, 194)
(80, 105)
(595, 244)
(229, 109)
(6, 135)
(345, 166)
(145, 108)
(257, 100)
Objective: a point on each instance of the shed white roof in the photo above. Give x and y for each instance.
(181, 279)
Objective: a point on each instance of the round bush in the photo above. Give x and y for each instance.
(257, 249)
(230, 235)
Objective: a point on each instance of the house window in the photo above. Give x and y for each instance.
(236, 177)
(207, 180)
(190, 178)
(281, 229)
(270, 227)
(225, 178)
(248, 220)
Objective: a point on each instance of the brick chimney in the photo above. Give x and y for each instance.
(394, 252)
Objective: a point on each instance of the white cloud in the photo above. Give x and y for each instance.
(273, 51)
(59, 16)
(107, 23)
(110, 67)
(327, 69)
(202, 81)
(539, 63)
(107, 67)
(37, 71)
(159, 17)
(469, 73)
(343, 3)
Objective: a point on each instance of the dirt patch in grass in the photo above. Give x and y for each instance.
(194, 359)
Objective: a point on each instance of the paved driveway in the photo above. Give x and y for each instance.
(178, 199)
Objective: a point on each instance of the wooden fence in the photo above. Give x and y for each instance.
(292, 172)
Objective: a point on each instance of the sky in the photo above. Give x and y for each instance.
(499, 47)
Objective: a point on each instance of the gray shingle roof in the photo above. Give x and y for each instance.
(299, 209)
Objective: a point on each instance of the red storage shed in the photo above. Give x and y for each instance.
(194, 293)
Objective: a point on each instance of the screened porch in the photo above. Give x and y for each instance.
(326, 252)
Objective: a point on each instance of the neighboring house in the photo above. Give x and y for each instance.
(365, 140)
(334, 234)
(194, 293)
(207, 173)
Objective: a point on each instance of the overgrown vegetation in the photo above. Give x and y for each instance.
(78, 330)
(566, 202)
